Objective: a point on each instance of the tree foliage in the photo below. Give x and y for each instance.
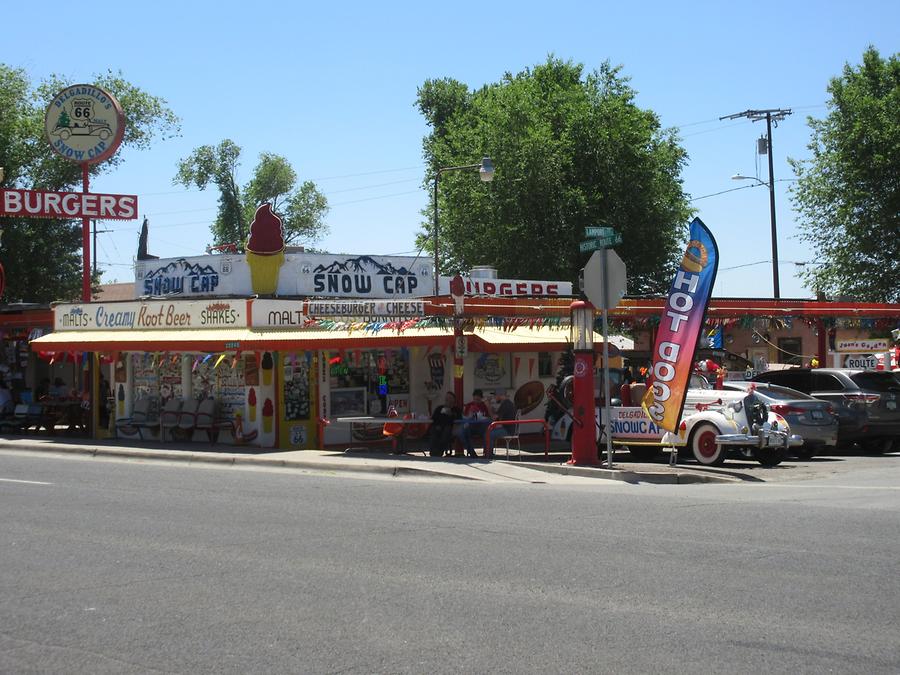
(302, 207)
(42, 257)
(570, 150)
(848, 192)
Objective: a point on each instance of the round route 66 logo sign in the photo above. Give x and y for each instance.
(84, 124)
(580, 368)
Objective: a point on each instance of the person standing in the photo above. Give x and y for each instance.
(506, 410)
(442, 419)
(476, 418)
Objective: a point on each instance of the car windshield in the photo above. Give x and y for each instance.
(783, 393)
(876, 381)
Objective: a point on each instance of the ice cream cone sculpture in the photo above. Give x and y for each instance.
(265, 250)
(251, 404)
(267, 412)
(267, 365)
(120, 401)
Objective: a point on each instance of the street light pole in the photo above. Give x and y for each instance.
(486, 173)
(775, 285)
(776, 115)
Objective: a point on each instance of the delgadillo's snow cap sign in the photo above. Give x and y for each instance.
(679, 329)
(84, 124)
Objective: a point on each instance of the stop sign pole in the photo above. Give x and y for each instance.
(606, 266)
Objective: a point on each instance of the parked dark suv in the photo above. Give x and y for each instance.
(867, 402)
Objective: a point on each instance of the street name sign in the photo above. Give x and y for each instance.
(600, 243)
(599, 232)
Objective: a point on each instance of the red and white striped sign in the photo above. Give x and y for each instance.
(65, 205)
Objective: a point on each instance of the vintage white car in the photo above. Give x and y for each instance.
(715, 423)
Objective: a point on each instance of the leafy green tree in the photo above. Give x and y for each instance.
(42, 257)
(302, 208)
(570, 150)
(848, 192)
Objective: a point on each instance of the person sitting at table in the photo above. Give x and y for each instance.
(476, 418)
(506, 410)
(43, 390)
(442, 419)
(59, 389)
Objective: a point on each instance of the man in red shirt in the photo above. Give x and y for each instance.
(476, 418)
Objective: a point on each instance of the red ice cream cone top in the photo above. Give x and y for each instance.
(251, 399)
(268, 408)
(266, 236)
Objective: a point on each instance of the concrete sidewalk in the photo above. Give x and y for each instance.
(531, 468)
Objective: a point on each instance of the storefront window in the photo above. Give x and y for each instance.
(790, 351)
(221, 380)
(296, 386)
(369, 381)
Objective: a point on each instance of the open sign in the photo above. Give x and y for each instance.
(861, 361)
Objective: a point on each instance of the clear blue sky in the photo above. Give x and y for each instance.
(332, 85)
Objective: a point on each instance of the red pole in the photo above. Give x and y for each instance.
(584, 441)
(822, 344)
(86, 241)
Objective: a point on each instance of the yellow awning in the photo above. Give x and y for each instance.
(232, 339)
(522, 338)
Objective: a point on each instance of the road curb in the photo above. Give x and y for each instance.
(654, 477)
(381, 468)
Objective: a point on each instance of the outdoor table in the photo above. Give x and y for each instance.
(63, 411)
(366, 424)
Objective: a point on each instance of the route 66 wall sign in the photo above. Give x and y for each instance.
(84, 124)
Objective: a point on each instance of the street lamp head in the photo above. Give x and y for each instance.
(486, 170)
(738, 176)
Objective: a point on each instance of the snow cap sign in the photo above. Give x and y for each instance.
(265, 250)
(84, 124)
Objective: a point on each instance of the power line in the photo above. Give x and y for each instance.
(722, 192)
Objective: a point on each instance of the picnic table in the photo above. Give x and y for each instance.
(371, 429)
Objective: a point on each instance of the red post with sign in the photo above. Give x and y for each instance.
(86, 239)
(584, 430)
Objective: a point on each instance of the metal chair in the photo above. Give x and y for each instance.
(510, 439)
(187, 418)
(168, 419)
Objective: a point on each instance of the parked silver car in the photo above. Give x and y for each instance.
(814, 420)
(867, 402)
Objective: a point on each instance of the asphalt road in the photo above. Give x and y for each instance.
(117, 566)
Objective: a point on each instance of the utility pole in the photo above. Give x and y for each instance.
(772, 115)
(96, 232)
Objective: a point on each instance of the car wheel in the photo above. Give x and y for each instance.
(877, 446)
(642, 453)
(64, 134)
(805, 453)
(704, 447)
(770, 456)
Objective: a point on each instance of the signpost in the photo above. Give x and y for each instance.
(84, 124)
(604, 285)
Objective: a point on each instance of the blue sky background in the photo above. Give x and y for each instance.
(332, 86)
